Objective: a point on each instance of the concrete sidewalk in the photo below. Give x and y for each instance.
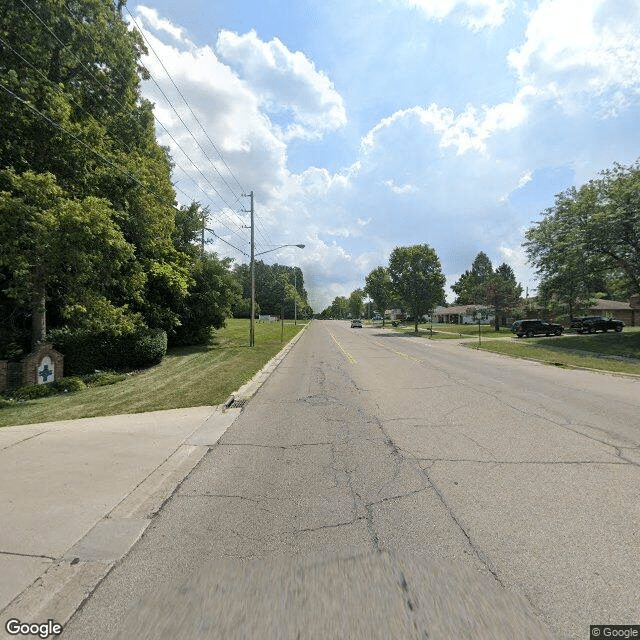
(76, 495)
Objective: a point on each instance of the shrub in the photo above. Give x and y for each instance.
(33, 391)
(69, 385)
(103, 378)
(6, 402)
(85, 352)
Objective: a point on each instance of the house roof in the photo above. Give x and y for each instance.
(461, 309)
(603, 305)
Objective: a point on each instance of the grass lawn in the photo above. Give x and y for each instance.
(187, 377)
(615, 352)
(452, 331)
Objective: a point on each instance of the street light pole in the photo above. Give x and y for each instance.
(295, 298)
(253, 282)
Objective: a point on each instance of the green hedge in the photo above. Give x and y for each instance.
(86, 352)
(33, 391)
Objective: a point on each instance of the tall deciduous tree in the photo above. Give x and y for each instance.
(213, 289)
(71, 108)
(502, 292)
(356, 303)
(64, 248)
(589, 241)
(417, 279)
(482, 285)
(279, 288)
(378, 287)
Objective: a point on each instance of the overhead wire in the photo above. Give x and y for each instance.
(257, 223)
(175, 141)
(184, 124)
(192, 113)
(84, 144)
(124, 108)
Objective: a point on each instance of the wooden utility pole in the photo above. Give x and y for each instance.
(253, 282)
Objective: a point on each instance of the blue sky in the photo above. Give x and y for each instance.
(362, 125)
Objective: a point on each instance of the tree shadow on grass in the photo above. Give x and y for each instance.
(403, 334)
(193, 349)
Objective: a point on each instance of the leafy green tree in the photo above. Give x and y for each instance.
(589, 241)
(68, 249)
(557, 249)
(495, 289)
(356, 303)
(277, 288)
(211, 298)
(612, 230)
(213, 288)
(378, 287)
(417, 279)
(339, 308)
(71, 108)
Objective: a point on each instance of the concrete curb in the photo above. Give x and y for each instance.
(248, 390)
(70, 580)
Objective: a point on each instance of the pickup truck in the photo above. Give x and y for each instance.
(591, 324)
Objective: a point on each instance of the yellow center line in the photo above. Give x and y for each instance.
(348, 356)
(403, 355)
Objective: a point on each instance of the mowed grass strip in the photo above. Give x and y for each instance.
(613, 352)
(453, 331)
(187, 377)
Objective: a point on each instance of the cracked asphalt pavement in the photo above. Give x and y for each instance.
(384, 486)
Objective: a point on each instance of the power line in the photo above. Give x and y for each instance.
(242, 190)
(121, 105)
(192, 113)
(172, 137)
(194, 116)
(84, 144)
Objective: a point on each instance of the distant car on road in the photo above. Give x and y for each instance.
(591, 324)
(530, 328)
(377, 318)
(356, 323)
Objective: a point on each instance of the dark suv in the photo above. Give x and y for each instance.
(532, 328)
(591, 324)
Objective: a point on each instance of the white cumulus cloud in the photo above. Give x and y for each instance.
(582, 49)
(284, 80)
(474, 14)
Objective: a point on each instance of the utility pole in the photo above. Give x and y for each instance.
(252, 269)
(253, 282)
(295, 297)
(204, 221)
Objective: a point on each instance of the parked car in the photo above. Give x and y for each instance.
(591, 324)
(356, 323)
(530, 328)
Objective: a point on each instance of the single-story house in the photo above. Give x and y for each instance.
(628, 312)
(462, 314)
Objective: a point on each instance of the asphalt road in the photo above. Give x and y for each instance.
(383, 486)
